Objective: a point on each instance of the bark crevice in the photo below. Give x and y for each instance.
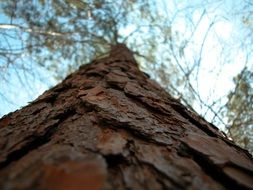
(35, 141)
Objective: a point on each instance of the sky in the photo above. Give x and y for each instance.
(18, 88)
(214, 79)
(213, 82)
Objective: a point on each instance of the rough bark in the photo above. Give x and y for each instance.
(108, 126)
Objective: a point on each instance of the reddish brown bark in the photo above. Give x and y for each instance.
(108, 126)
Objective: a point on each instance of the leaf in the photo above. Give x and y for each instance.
(42, 2)
(77, 3)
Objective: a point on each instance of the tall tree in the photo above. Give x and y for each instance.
(108, 126)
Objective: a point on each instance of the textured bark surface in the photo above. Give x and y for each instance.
(108, 126)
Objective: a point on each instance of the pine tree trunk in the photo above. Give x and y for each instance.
(108, 126)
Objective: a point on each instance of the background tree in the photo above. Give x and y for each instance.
(240, 110)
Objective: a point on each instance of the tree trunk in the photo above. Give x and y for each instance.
(108, 126)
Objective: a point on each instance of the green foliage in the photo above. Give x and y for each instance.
(74, 32)
(240, 110)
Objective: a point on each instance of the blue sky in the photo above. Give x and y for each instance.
(18, 88)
